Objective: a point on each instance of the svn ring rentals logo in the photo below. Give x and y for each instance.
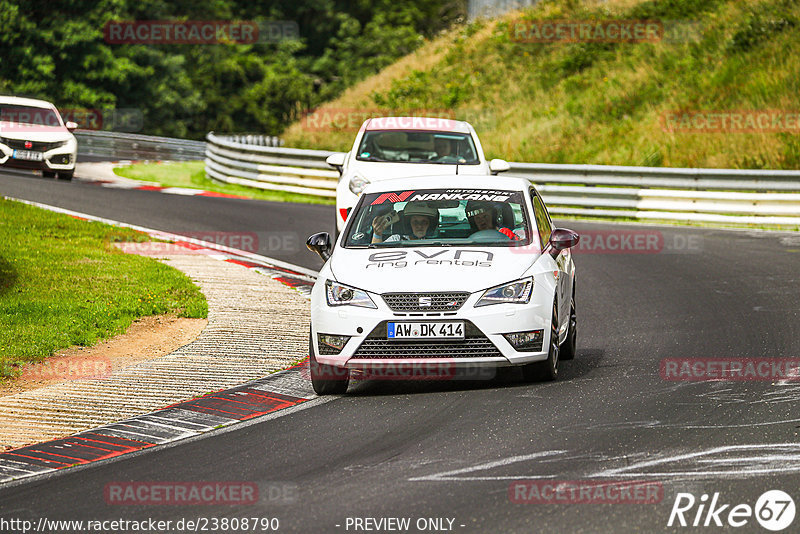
(154, 32)
(774, 510)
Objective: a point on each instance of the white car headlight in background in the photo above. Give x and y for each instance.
(340, 295)
(357, 184)
(518, 292)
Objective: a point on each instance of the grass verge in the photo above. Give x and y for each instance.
(602, 102)
(192, 174)
(63, 283)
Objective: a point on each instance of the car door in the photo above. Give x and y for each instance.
(563, 260)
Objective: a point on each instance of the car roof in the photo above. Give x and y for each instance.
(461, 181)
(21, 101)
(437, 124)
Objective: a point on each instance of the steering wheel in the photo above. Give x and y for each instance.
(488, 236)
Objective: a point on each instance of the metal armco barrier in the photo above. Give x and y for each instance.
(137, 147)
(704, 195)
(232, 160)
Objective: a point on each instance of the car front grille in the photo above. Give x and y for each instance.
(38, 146)
(474, 345)
(425, 302)
(471, 347)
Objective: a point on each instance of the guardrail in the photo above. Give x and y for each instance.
(705, 195)
(231, 159)
(116, 145)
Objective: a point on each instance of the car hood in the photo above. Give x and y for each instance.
(411, 269)
(33, 132)
(376, 171)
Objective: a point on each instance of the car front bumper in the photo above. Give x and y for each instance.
(484, 344)
(52, 160)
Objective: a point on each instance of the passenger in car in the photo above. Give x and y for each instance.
(484, 216)
(419, 221)
(444, 151)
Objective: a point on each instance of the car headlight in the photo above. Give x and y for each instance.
(58, 144)
(340, 295)
(518, 292)
(357, 184)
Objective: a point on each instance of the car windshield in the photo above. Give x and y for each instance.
(29, 115)
(444, 148)
(440, 217)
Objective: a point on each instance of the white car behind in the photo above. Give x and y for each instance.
(393, 147)
(34, 136)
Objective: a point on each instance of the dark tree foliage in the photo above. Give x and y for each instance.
(56, 50)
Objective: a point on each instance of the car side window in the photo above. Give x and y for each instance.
(542, 220)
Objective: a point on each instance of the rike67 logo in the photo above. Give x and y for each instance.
(774, 510)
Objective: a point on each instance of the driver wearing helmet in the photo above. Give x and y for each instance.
(419, 221)
(483, 215)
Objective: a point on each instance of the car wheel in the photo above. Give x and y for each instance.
(570, 346)
(548, 369)
(67, 175)
(326, 379)
(48, 174)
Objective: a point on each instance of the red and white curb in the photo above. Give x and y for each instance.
(102, 174)
(183, 420)
(280, 391)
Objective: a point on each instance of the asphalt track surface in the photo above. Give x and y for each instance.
(452, 449)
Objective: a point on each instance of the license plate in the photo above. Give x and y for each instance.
(28, 154)
(448, 330)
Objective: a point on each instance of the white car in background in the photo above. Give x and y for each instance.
(393, 147)
(34, 136)
(443, 272)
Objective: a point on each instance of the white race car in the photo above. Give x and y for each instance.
(393, 147)
(443, 272)
(34, 136)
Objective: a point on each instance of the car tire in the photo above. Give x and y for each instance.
(546, 370)
(66, 175)
(570, 346)
(326, 379)
(48, 174)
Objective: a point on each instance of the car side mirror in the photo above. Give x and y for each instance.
(497, 166)
(321, 244)
(562, 238)
(336, 160)
(71, 125)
